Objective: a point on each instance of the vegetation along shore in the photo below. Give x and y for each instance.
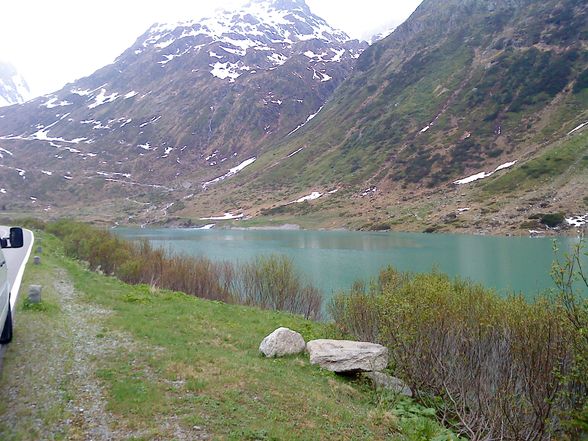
(165, 350)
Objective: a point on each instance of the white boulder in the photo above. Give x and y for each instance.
(282, 341)
(347, 356)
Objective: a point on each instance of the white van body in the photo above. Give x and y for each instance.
(13, 240)
(4, 289)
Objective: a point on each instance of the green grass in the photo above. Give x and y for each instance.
(39, 329)
(196, 362)
(569, 153)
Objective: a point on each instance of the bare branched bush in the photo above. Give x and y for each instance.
(495, 363)
(571, 279)
(272, 282)
(268, 282)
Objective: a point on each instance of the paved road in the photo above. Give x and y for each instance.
(16, 260)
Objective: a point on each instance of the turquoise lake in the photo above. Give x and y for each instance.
(333, 260)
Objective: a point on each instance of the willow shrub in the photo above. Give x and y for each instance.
(495, 363)
(269, 282)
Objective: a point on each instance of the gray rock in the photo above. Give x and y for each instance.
(282, 341)
(384, 381)
(347, 356)
(35, 293)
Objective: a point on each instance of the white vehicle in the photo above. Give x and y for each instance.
(14, 240)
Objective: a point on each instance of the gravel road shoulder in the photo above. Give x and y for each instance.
(49, 379)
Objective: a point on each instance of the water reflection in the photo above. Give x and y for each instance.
(334, 260)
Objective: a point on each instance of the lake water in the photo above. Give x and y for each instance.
(333, 260)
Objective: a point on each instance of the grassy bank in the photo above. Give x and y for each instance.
(102, 358)
(269, 282)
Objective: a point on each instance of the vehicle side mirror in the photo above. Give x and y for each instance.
(14, 240)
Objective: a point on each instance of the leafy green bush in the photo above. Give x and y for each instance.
(552, 219)
(495, 363)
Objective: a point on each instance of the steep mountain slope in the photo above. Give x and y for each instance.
(464, 94)
(13, 87)
(186, 104)
(471, 115)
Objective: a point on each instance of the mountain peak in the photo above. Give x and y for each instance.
(257, 23)
(13, 88)
(281, 5)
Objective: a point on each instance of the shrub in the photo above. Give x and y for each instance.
(268, 282)
(357, 313)
(272, 283)
(570, 279)
(552, 219)
(495, 363)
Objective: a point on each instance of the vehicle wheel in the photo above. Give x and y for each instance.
(6, 336)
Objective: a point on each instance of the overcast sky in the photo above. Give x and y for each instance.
(57, 41)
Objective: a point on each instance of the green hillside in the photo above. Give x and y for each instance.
(460, 88)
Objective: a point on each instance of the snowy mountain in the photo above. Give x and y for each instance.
(13, 87)
(182, 109)
(380, 35)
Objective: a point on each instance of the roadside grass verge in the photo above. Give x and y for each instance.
(195, 363)
(39, 330)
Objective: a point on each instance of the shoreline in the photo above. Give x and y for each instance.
(548, 233)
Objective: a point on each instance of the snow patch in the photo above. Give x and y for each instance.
(306, 122)
(338, 55)
(577, 221)
(81, 92)
(170, 57)
(227, 216)
(54, 102)
(102, 98)
(230, 173)
(131, 94)
(296, 152)
(146, 146)
(483, 175)
(206, 227)
(311, 197)
(227, 70)
(369, 191)
(241, 166)
(325, 77)
(578, 128)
